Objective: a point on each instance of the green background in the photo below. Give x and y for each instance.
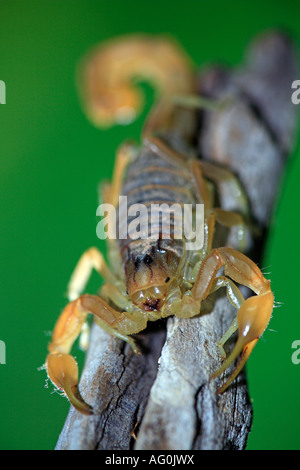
(51, 160)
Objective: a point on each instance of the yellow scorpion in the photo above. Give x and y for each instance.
(151, 278)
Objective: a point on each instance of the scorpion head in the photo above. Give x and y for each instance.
(148, 281)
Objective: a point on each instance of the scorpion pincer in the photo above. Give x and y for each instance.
(150, 278)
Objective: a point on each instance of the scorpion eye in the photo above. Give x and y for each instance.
(148, 260)
(167, 279)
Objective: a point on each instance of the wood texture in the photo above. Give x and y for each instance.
(165, 395)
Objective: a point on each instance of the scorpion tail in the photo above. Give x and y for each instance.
(105, 76)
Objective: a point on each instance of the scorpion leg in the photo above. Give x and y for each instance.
(232, 219)
(60, 365)
(223, 217)
(236, 299)
(109, 194)
(91, 259)
(202, 190)
(126, 154)
(221, 175)
(254, 313)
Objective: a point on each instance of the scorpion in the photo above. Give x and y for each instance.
(146, 279)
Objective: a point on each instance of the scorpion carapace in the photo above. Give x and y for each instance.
(154, 277)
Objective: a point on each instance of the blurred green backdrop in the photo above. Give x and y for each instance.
(51, 160)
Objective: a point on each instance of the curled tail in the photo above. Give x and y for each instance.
(106, 76)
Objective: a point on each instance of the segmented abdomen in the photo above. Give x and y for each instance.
(153, 180)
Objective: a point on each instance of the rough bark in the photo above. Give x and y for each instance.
(165, 395)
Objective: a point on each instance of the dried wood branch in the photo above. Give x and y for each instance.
(164, 395)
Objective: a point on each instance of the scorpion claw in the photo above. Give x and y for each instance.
(253, 318)
(245, 353)
(63, 372)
